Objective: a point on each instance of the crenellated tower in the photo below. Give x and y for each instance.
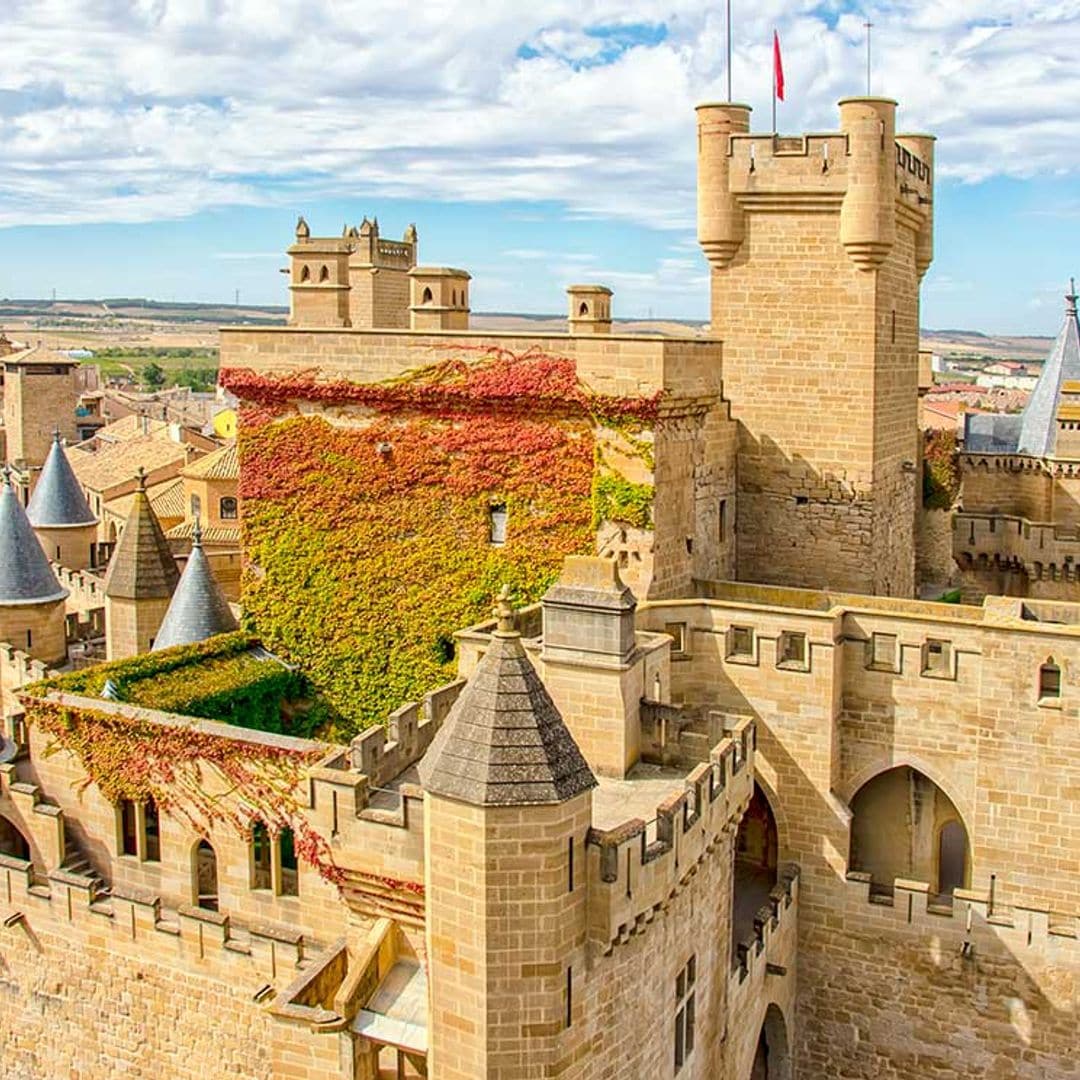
(817, 244)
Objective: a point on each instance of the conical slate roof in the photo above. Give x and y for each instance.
(58, 500)
(25, 574)
(1038, 423)
(198, 609)
(142, 566)
(504, 742)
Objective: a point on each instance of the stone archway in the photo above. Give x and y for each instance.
(757, 851)
(904, 826)
(772, 1059)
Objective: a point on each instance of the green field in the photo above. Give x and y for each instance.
(155, 367)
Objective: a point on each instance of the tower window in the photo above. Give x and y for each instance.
(1049, 682)
(324, 274)
(427, 298)
(937, 658)
(792, 651)
(722, 520)
(684, 1013)
(305, 274)
(29, 639)
(497, 518)
(152, 831)
(129, 844)
(677, 632)
(228, 508)
(740, 642)
(883, 652)
(290, 882)
(583, 309)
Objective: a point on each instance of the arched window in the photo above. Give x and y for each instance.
(261, 857)
(324, 274)
(583, 309)
(12, 841)
(1049, 681)
(206, 876)
(427, 297)
(453, 297)
(290, 876)
(228, 508)
(305, 274)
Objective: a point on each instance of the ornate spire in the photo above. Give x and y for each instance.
(504, 613)
(58, 500)
(1070, 298)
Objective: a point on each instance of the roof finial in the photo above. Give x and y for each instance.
(140, 475)
(7, 477)
(196, 533)
(504, 612)
(1070, 298)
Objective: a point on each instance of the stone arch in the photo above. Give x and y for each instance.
(904, 825)
(772, 1059)
(13, 841)
(886, 761)
(204, 875)
(305, 273)
(783, 834)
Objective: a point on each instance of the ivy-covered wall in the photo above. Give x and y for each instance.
(367, 513)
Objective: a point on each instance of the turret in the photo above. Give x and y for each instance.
(440, 298)
(920, 162)
(868, 213)
(60, 514)
(590, 309)
(140, 582)
(507, 806)
(198, 609)
(721, 224)
(31, 599)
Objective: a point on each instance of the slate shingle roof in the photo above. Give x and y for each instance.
(58, 500)
(142, 566)
(1038, 422)
(25, 574)
(504, 743)
(198, 609)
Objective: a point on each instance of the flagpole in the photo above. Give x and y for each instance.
(729, 50)
(774, 91)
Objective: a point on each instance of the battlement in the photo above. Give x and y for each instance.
(134, 921)
(637, 868)
(874, 178)
(1018, 926)
(382, 753)
(1012, 543)
(764, 946)
(86, 590)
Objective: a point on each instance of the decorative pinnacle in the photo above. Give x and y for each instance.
(1071, 298)
(503, 611)
(140, 475)
(196, 533)
(7, 477)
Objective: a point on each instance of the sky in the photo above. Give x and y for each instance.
(164, 148)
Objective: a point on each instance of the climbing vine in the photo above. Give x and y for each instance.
(370, 541)
(941, 470)
(129, 757)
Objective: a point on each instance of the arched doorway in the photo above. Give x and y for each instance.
(12, 841)
(772, 1059)
(904, 826)
(206, 877)
(756, 857)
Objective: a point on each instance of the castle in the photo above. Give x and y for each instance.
(709, 793)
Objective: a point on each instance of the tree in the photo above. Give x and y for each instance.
(153, 376)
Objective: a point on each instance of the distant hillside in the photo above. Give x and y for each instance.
(138, 321)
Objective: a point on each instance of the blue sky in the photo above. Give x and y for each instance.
(163, 149)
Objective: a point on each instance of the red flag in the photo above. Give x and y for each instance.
(778, 66)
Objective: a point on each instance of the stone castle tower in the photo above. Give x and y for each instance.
(509, 797)
(817, 245)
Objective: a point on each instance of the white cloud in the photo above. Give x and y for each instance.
(141, 109)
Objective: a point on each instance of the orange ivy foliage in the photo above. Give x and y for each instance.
(369, 545)
(131, 758)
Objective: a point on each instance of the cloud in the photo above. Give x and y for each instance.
(134, 110)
